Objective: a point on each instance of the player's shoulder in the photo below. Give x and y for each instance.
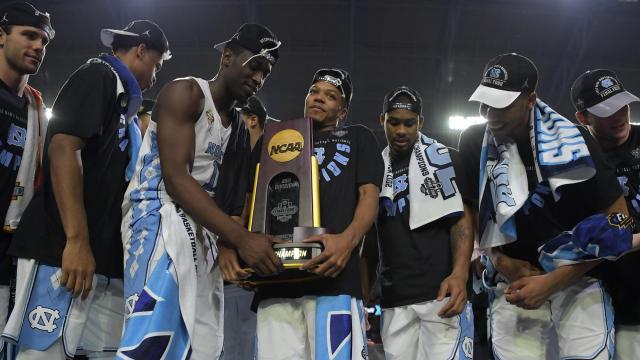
(183, 93)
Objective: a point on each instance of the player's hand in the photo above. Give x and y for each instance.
(229, 264)
(529, 292)
(256, 250)
(78, 266)
(334, 257)
(515, 269)
(455, 285)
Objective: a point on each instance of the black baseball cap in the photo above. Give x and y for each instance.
(256, 38)
(505, 77)
(148, 31)
(338, 78)
(256, 107)
(600, 92)
(25, 14)
(393, 100)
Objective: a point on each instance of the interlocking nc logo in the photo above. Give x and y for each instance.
(467, 347)
(494, 72)
(130, 304)
(606, 83)
(43, 318)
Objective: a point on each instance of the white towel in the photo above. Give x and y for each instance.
(561, 157)
(31, 159)
(433, 192)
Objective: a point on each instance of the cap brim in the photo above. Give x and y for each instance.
(106, 35)
(495, 98)
(613, 104)
(220, 46)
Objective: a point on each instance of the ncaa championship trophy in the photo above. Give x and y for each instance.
(286, 197)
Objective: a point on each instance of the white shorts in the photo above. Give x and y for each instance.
(417, 332)
(45, 312)
(627, 342)
(310, 327)
(575, 323)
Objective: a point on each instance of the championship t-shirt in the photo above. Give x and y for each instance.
(414, 262)
(86, 107)
(621, 276)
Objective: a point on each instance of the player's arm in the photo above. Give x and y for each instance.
(532, 292)
(78, 264)
(455, 285)
(338, 247)
(179, 103)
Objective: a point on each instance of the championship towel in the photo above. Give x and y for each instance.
(600, 236)
(28, 177)
(340, 333)
(433, 193)
(561, 157)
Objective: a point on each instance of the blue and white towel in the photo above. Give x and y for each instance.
(600, 236)
(561, 157)
(340, 333)
(433, 192)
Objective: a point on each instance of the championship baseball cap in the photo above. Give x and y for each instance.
(256, 107)
(338, 78)
(394, 100)
(256, 38)
(600, 92)
(25, 14)
(505, 78)
(148, 31)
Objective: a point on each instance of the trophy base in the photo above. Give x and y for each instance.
(293, 255)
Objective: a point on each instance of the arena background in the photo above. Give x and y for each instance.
(438, 47)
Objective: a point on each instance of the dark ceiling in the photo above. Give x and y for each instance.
(436, 46)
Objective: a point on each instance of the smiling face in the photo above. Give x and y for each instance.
(610, 131)
(325, 105)
(23, 49)
(511, 121)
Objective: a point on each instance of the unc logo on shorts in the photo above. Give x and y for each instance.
(467, 347)
(43, 318)
(130, 304)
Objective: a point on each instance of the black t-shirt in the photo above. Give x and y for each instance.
(13, 135)
(86, 107)
(541, 218)
(621, 276)
(414, 262)
(348, 157)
